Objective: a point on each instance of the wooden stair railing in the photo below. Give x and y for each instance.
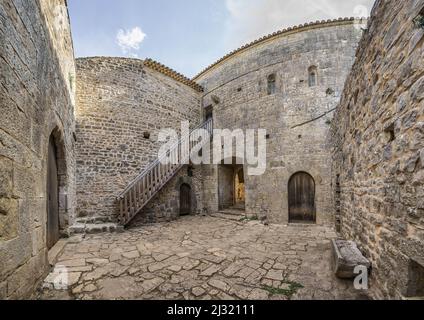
(155, 176)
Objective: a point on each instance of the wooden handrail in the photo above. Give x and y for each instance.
(155, 176)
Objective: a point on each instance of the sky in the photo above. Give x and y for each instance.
(189, 35)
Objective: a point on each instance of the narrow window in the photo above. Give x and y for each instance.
(271, 84)
(312, 76)
(208, 113)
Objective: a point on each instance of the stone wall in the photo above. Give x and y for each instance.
(121, 107)
(165, 206)
(297, 117)
(36, 100)
(379, 149)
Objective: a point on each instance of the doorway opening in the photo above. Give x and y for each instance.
(302, 198)
(185, 199)
(239, 190)
(53, 225)
(231, 186)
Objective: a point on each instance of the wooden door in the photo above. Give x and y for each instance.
(302, 198)
(185, 199)
(53, 197)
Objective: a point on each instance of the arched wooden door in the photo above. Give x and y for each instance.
(302, 198)
(52, 197)
(185, 199)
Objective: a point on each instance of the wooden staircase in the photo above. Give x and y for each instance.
(156, 175)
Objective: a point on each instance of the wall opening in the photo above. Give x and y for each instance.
(415, 287)
(231, 185)
(53, 225)
(56, 189)
(390, 133)
(208, 113)
(239, 188)
(185, 199)
(302, 198)
(271, 84)
(313, 76)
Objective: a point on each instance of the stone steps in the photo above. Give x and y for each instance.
(93, 227)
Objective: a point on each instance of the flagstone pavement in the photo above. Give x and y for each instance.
(200, 257)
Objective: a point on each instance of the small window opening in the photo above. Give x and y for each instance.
(208, 113)
(271, 84)
(312, 76)
(190, 171)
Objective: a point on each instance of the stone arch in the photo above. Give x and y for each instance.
(313, 76)
(193, 203)
(302, 197)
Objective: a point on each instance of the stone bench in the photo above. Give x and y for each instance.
(346, 256)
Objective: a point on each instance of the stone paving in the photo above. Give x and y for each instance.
(201, 258)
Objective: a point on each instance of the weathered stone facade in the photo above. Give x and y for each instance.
(37, 77)
(237, 89)
(361, 141)
(378, 168)
(121, 107)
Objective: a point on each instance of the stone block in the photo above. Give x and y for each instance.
(9, 221)
(346, 257)
(5, 178)
(3, 290)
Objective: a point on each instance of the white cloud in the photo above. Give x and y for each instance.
(251, 19)
(130, 40)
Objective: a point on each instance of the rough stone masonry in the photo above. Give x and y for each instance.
(378, 146)
(342, 102)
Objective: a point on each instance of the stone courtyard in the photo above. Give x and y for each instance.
(201, 258)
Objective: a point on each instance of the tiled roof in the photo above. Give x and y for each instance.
(154, 65)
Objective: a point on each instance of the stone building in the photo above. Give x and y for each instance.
(122, 104)
(378, 167)
(37, 139)
(79, 138)
(288, 83)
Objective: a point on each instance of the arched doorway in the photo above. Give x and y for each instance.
(185, 199)
(52, 196)
(302, 198)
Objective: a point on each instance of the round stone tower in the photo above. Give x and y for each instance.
(288, 83)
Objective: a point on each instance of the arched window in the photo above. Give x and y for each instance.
(271, 84)
(313, 76)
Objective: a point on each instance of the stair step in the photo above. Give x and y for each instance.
(93, 220)
(225, 216)
(93, 228)
(232, 212)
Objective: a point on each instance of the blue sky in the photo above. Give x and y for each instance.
(188, 35)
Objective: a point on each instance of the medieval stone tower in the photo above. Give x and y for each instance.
(341, 100)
